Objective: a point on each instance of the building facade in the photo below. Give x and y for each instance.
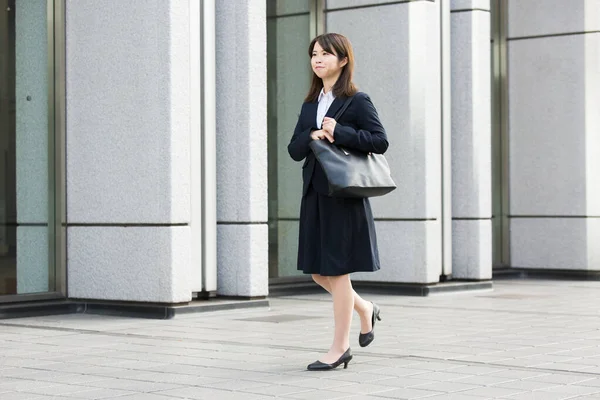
(143, 147)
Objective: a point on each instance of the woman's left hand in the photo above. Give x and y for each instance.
(329, 125)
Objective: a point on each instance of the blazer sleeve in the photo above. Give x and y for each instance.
(298, 147)
(370, 137)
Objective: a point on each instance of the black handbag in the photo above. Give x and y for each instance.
(350, 172)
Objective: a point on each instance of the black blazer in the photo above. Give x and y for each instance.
(358, 128)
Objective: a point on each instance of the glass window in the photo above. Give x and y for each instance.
(288, 71)
(25, 143)
(500, 199)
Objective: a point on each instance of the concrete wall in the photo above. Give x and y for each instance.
(242, 174)
(554, 98)
(471, 140)
(128, 150)
(397, 51)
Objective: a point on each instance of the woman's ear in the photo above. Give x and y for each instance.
(344, 62)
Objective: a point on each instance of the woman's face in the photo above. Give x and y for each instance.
(325, 65)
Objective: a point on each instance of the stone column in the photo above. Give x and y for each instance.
(242, 175)
(471, 140)
(128, 150)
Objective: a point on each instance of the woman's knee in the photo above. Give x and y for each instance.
(338, 280)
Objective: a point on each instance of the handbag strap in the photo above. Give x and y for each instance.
(344, 107)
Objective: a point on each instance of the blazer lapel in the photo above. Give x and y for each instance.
(338, 102)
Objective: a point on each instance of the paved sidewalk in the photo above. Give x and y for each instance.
(523, 340)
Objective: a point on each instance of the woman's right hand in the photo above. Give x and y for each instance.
(321, 134)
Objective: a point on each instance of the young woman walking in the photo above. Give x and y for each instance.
(337, 235)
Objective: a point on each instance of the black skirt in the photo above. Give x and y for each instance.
(337, 235)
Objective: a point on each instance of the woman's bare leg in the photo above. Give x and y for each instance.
(362, 307)
(343, 303)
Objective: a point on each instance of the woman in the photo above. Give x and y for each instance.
(337, 235)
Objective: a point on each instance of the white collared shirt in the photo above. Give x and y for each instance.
(325, 101)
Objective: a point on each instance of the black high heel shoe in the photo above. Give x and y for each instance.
(320, 366)
(365, 339)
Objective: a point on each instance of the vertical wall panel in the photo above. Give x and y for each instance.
(554, 98)
(471, 143)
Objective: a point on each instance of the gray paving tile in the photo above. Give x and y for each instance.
(562, 378)
(407, 393)
(24, 362)
(277, 390)
(61, 397)
(400, 371)
(593, 361)
(476, 370)
(592, 370)
(17, 372)
(145, 396)
(76, 391)
(321, 383)
(281, 379)
(404, 382)
(441, 376)
(19, 396)
(86, 369)
(484, 380)
(67, 378)
(570, 367)
(396, 362)
(366, 367)
(194, 370)
(448, 387)
(236, 384)
(364, 388)
(17, 385)
(528, 385)
(320, 394)
(519, 374)
(5, 389)
(356, 377)
(576, 390)
(455, 396)
(592, 382)
(540, 395)
(492, 391)
(197, 393)
(438, 366)
(133, 385)
(259, 376)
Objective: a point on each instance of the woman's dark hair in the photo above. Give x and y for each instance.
(339, 45)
